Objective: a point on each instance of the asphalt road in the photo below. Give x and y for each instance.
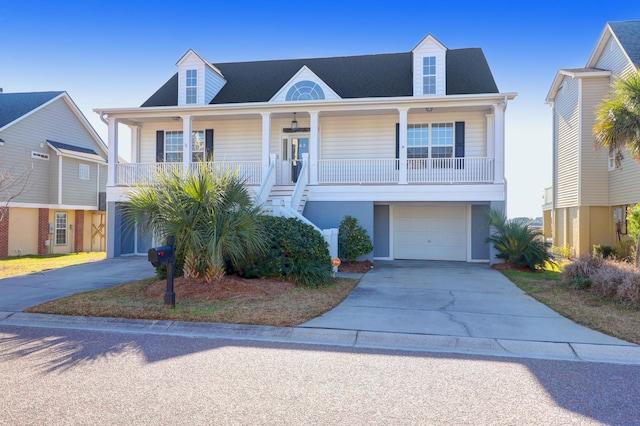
(63, 376)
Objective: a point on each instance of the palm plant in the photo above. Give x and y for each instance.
(617, 125)
(209, 212)
(517, 242)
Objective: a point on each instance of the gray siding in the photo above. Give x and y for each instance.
(76, 191)
(55, 121)
(624, 183)
(326, 215)
(566, 147)
(381, 234)
(594, 182)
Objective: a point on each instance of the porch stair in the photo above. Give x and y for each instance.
(279, 194)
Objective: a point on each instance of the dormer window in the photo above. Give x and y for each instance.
(192, 87)
(429, 75)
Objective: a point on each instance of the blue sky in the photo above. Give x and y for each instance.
(116, 54)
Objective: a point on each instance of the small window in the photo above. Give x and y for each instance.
(61, 229)
(83, 171)
(430, 140)
(429, 75)
(197, 146)
(612, 162)
(192, 87)
(418, 141)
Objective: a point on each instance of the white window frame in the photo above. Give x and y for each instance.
(611, 159)
(174, 139)
(433, 140)
(429, 71)
(84, 172)
(60, 228)
(191, 84)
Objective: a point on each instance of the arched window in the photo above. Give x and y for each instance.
(305, 91)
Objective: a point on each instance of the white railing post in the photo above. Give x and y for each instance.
(186, 143)
(402, 135)
(113, 153)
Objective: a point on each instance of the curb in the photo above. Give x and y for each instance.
(562, 351)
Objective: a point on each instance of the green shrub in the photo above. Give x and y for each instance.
(603, 251)
(295, 250)
(624, 250)
(564, 252)
(353, 240)
(518, 243)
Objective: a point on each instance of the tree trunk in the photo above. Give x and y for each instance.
(638, 252)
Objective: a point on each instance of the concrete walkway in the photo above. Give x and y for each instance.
(417, 306)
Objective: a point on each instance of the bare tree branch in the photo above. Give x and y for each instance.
(12, 185)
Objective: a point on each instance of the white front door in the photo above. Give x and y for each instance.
(293, 147)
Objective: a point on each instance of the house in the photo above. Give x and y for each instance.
(54, 170)
(411, 144)
(588, 201)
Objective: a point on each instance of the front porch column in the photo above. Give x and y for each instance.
(402, 135)
(314, 151)
(135, 143)
(498, 121)
(112, 157)
(266, 139)
(187, 146)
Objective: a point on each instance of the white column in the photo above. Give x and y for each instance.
(403, 144)
(186, 140)
(491, 141)
(499, 141)
(135, 143)
(112, 157)
(314, 151)
(266, 141)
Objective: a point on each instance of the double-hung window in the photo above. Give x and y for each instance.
(430, 140)
(429, 75)
(61, 229)
(173, 146)
(192, 87)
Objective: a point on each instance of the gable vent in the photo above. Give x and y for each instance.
(39, 155)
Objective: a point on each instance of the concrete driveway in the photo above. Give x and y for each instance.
(451, 299)
(18, 293)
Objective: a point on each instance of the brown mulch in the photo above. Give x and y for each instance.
(508, 266)
(228, 287)
(358, 267)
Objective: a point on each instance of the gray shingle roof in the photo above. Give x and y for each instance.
(15, 105)
(628, 33)
(367, 76)
(66, 148)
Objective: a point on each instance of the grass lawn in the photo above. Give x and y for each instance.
(583, 307)
(282, 304)
(28, 264)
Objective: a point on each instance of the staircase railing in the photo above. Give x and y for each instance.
(268, 182)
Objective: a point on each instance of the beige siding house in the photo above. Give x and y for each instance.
(411, 144)
(588, 201)
(59, 210)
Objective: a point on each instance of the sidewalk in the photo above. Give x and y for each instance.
(413, 306)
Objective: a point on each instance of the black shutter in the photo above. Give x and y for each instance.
(459, 144)
(160, 146)
(397, 145)
(208, 145)
(459, 139)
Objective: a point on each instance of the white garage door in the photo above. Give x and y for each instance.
(433, 232)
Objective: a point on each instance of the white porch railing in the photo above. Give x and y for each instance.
(423, 170)
(358, 171)
(132, 173)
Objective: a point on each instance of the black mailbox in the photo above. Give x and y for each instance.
(160, 256)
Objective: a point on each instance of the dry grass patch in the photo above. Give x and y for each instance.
(233, 300)
(605, 315)
(29, 264)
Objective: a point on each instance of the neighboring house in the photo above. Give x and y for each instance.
(411, 144)
(588, 201)
(60, 209)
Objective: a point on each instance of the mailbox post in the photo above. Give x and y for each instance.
(165, 256)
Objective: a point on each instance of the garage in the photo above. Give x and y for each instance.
(430, 232)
